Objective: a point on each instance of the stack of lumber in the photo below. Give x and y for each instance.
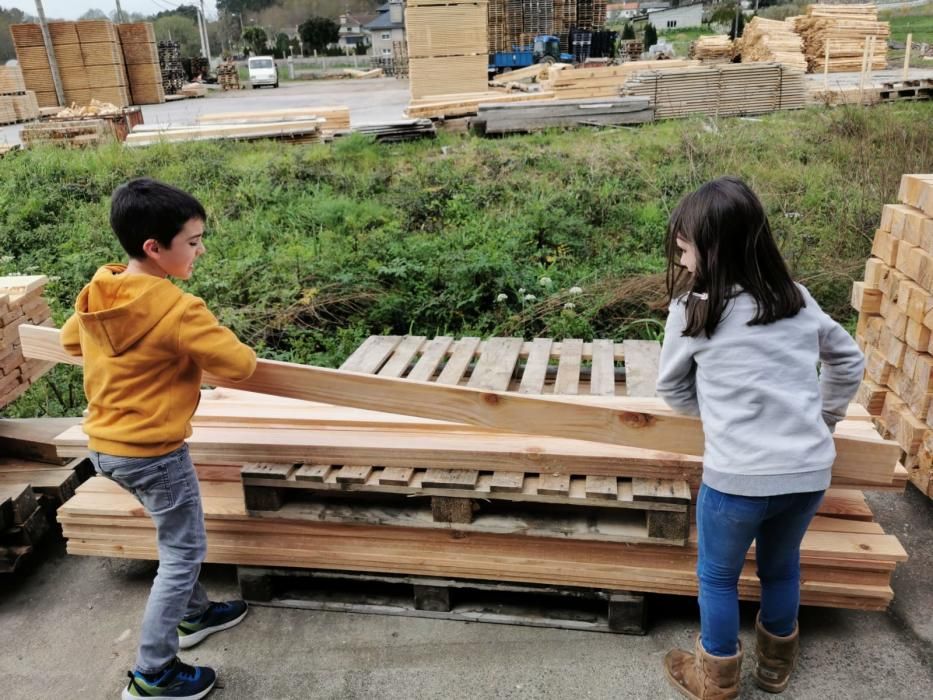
(295, 131)
(228, 75)
(78, 133)
(536, 116)
(717, 48)
(462, 105)
(457, 387)
(771, 41)
(34, 483)
(584, 83)
(402, 130)
(17, 104)
(843, 31)
(141, 56)
(335, 118)
(34, 61)
(447, 46)
(21, 303)
(895, 305)
(726, 90)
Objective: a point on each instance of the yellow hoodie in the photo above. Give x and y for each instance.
(145, 343)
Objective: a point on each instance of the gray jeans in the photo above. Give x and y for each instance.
(167, 486)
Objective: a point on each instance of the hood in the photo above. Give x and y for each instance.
(115, 310)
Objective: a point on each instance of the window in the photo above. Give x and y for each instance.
(387, 52)
(386, 36)
(671, 23)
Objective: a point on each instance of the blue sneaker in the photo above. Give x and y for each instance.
(219, 616)
(178, 680)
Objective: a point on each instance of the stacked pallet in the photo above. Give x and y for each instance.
(770, 41)
(228, 75)
(536, 116)
(447, 46)
(726, 90)
(79, 133)
(716, 48)
(141, 57)
(173, 74)
(583, 83)
(416, 506)
(17, 104)
(21, 303)
(844, 33)
(895, 305)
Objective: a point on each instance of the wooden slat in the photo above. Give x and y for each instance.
(450, 478)
(554, 484)
(664, 490)
(268, 471)
(507, 482)
(430, 359)
(601, 487)
(317, 473)
(396, 476)
(496, 364)
(641, 366)
(603, 375)
(371, 353)
(568, 370)
(352, 475)
(402, 356)
(459, 360)
(536, 366)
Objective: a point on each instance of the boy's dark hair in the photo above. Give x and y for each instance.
(145, 208)
(727, 224)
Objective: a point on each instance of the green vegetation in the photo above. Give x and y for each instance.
(917, 21)
(312, 248)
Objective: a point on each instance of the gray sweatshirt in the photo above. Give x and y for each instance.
(767, 414)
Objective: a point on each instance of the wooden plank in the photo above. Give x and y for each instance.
(603, 375)
(402, 356)
(396, 476)
(459, 360)
(371, 353)
(664, 490)
(554, 484)
(316, 473)
(496, 364)
(641, 366)
(450, 478)
(430, 359)
(601, 487)
(507, 482)
(568, 368)
(267, 471)
(352, 474)
(536, 366)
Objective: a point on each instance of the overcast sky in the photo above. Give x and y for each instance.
(72, 9)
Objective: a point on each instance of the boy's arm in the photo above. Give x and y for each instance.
(70, 338)
(677, 369)
(213, 347)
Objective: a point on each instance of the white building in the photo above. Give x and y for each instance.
(353, 32)
(387, 28)
(676, 17)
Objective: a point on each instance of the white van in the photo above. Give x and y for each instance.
(262, 71)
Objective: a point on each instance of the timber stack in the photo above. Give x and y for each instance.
(21, 302)
(716, 48)
(17, 104)
(771, 41)
(737, 89)
(582, 83)
(447, 46)
(847, 34)
(895, 305)
(406, 479)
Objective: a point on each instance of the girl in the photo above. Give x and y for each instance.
(740, 350)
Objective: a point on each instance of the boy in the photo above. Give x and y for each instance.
(145, 344)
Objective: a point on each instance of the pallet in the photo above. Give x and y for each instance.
(911, 90)
(614, 509)
(446, 599)
(24, 525)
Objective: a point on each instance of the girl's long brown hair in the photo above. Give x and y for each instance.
(727, 224)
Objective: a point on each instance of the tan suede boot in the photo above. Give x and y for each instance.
(702, 676)
(777, 657)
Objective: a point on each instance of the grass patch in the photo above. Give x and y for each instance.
(312, 248)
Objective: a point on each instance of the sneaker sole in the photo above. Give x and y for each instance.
(189, 640)
(129, 696)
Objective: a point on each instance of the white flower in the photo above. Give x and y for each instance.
(521, 290)
(545, 281)
(575, 290)
(54, 278)
(6, 259)
(570, 306)
(502, 297)
(531, 297)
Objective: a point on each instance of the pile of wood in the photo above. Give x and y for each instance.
(335, 118)
(771, 41)
(141, 56)
(397, 131)
(736, 89)
(447, 46)
(173, 74)
(583, 83)
(75, 134)
(895, 305)
(34, 482)
(450, 481)
(536, 116)
(515, 23)
(466, 104)
(717, 48)
(17, 104)
(295, 131)
(837, 38)
(21, 303)
(228, 75)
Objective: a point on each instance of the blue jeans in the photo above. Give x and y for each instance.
(167, 486)
(726, 526)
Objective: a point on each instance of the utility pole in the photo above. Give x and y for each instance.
(120, 16)
(207, 42)
(50, 50)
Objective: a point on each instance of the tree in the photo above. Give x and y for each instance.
(93, 13)
(180, 29)
(238, 7)
(281, 45)
(255, 39)
(628, 31)
(651, 36)
(362, 47)
(318, 32)
(8, 17)
(189, 11)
